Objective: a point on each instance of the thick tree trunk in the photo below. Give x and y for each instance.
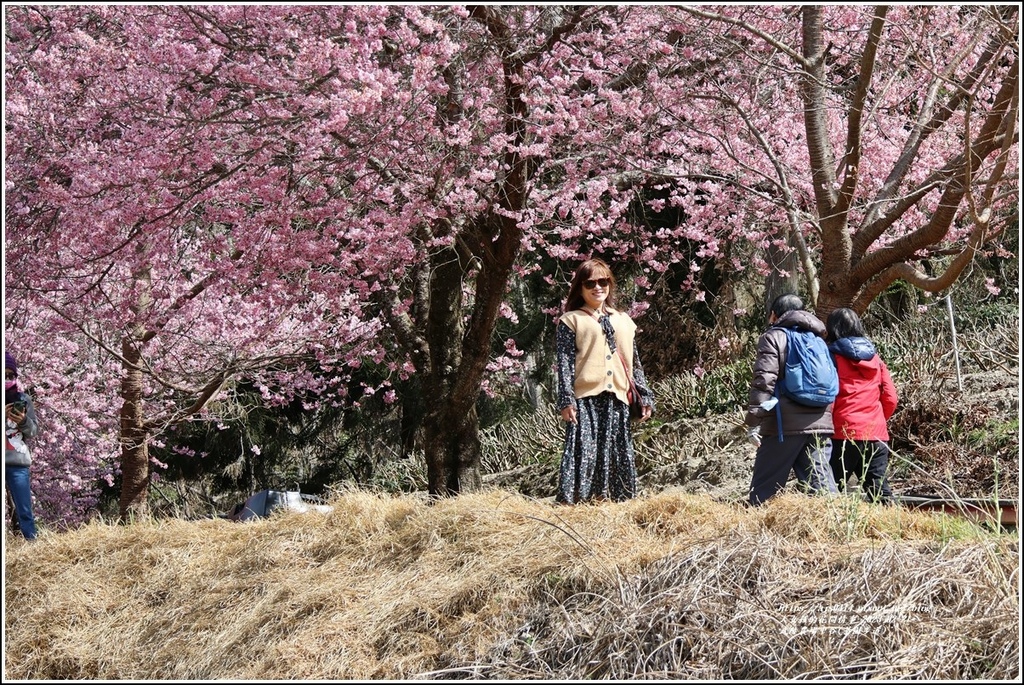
(134, 443)
(450, 426)
(134, 502)
(452, 451)
(459, 351)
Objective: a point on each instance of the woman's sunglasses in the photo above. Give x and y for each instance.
(592, 283)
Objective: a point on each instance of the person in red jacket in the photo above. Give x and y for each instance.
(867, 398)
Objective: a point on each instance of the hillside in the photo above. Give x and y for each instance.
(499, 586)
(946, 443)
(683, 582)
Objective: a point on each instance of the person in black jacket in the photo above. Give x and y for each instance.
(806, 445)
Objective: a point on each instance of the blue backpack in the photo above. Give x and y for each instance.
(810, 376)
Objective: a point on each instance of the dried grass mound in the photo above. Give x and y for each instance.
(498, 586)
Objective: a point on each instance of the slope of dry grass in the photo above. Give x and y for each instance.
(495, 585)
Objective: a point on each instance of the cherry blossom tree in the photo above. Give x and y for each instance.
(903, 164)
(259, 185)
(201, 193)
(162, 216)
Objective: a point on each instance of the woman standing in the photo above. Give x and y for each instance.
(20, 425)
(596, 356)
(867, 398)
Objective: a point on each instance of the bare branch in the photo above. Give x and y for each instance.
(766, 37)
(851, 157)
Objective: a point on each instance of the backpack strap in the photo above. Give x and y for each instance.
(778, 383)
(778, 409)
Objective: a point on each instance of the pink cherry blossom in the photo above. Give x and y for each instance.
(281, 193)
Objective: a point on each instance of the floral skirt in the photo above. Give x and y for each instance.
(598, 461)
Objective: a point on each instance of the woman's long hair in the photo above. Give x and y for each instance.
(844, 323)
(592, 268)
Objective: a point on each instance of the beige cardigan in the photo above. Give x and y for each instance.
(598, 369)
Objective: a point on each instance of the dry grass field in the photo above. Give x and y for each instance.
(684, 582)
(496, 585)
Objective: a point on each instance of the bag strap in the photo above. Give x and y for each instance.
(778, 381)
(778, 408)
(625, 367)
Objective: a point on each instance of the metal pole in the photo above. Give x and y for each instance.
(956, 350)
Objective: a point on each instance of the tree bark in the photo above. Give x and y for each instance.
(452, 451)
(459, 354)
(852, 275)
(445, 430)
(783, 277)
(134, 503)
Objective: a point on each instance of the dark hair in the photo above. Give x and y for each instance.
(592, 268)
(786, 303)
(844, 323)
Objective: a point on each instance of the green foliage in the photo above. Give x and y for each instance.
(408, 474)
(717, 391)
(494, 410)
(996, 435)
(898, 303)
(524, 439)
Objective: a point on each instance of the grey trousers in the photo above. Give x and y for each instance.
(807, 454)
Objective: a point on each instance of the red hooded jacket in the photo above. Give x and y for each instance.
(867, 396)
